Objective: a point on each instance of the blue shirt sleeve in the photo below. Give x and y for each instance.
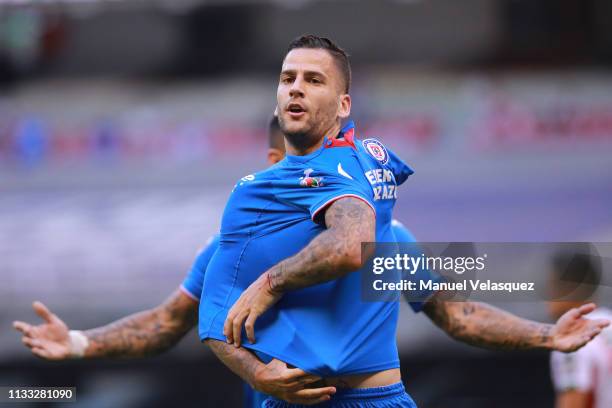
(334, 188)
(322, 187)
(192, 285)
(403, 235)
(400, 169)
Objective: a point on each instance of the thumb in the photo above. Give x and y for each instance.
(44, 313)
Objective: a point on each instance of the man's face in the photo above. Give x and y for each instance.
(310, 95)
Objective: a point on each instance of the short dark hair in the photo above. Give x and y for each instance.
(339, 55)
(276, 139)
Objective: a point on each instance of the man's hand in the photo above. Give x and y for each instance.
(288, 384)
(50, 340)
(253, 302)
(573, 331)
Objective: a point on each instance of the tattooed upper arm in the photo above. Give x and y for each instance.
(331, 254)
(354, 222)
(350, 211)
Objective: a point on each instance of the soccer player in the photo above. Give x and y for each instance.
(158, 329)
(291, 235)
(582, 379)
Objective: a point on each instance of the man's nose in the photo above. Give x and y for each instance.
(297, 89)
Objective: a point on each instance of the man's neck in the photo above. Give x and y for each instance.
(303, 150)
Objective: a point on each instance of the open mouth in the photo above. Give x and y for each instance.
(295, 109)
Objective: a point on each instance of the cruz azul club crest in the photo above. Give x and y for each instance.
(376, 150)
(308, 181)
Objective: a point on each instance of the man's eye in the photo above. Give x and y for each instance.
(315, 81)
(286, 80)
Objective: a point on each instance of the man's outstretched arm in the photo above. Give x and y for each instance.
(483, 325)
(139, 335)
(330, 255)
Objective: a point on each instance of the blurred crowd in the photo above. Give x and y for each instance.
(472, 115)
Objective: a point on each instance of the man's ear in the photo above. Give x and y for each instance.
(275, 155)
(344, 108)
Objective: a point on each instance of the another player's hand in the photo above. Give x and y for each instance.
(253, 302)
(289, 384)
(50, 340)
(573, 330)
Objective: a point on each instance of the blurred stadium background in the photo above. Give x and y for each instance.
(125, 123)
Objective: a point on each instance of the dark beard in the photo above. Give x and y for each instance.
(299, 140)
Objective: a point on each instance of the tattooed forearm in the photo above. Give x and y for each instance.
(486, 326)
(333, 253)
(238, 359)
(146, 333)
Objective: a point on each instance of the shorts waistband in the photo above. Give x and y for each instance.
(374, 392)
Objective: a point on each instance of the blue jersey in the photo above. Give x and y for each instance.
(271, 215)
(192, 286)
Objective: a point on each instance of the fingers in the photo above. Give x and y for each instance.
(249, 326)
(296, 374)
(311, 396)
(28, 338)
(309, 379)
(24, 328)
(42, 311)
(586, 309)
(227, 326)
(590, 335)
(30, 342)
(299, 383)
(233, 323)
(602, 323)
(595, 331)
(237, 327)
(316, 401)
(595, 327)
(42, 353)
(583, 340)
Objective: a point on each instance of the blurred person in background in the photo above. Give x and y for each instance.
(582, 379)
